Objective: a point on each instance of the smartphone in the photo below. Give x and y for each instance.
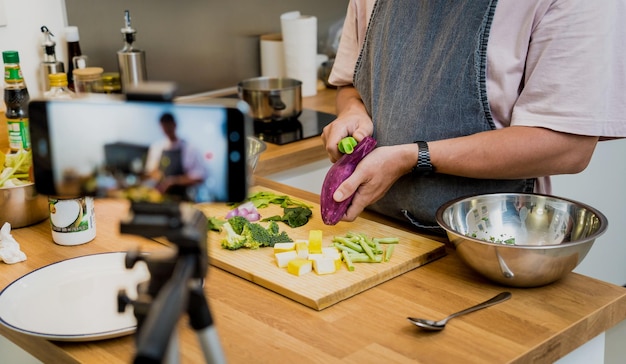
(146, 151)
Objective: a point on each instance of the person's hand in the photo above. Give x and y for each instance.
(355, 124)
(373, 177)
(352, 120)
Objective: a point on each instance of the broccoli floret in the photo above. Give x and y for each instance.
(232, 241)
(281, 237)
(256, 236)
(277, 236)
(241, 233)
(237, 223)
(273, 228)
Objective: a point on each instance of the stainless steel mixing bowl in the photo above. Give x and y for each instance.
(521, 240)
(22, 206)
(255, 147)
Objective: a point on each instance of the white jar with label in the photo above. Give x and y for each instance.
(73, 221)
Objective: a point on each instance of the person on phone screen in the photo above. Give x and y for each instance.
(174, 164)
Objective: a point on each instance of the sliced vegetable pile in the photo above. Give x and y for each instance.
(333, 211)
(243, 228)
(304, 256)
(15, 168)
(357, 248)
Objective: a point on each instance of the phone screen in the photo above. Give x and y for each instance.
(140, 150)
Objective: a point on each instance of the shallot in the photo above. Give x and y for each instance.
(247, 210)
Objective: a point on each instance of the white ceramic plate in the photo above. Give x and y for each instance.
(74, 299)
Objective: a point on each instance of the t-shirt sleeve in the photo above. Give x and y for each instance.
(575, 75)
(348, 50)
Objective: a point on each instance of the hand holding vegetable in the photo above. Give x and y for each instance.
(332, 211)
(374, 175)
(352, 120)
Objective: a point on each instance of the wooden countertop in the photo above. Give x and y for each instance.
(537, 325)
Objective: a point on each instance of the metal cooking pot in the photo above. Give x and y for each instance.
(272, 98)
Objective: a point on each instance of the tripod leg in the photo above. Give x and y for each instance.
(172, 355)
(202, 322)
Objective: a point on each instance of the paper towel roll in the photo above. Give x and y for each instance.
(300, 46)
(272, 55)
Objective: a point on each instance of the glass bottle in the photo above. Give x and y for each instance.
(58, 87)
(88, 80)
(16, 99)
(50, 63)
(111, 83)
(79, 211)
(75, 58)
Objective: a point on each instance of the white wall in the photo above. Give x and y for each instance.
(603, 186)
(22, 33)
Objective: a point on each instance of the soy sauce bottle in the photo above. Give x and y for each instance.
(75, 57)
(16, 99)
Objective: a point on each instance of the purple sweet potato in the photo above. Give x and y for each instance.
(333, 211)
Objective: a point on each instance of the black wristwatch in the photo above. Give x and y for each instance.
(424, 166)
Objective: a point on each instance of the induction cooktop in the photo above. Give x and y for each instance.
(310, 123)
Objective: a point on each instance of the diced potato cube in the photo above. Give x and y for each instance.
(283, 258)
(331, 252)
(302, 248)
(315, 256)
(284, 247)
(315, 241)
(299, 266)
(324, 265)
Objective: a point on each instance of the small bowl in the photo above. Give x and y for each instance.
(521, 240)
(22, 206)
(255, 147)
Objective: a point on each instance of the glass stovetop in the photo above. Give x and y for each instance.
(310, 123)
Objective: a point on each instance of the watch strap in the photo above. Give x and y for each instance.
(424, 166)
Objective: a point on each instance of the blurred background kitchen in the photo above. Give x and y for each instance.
(206, 45)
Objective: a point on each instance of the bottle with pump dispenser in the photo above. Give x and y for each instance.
(72, 220)
(130, 60)
(50, 64)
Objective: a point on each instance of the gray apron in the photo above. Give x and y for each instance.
(172, 165)
(421, 75)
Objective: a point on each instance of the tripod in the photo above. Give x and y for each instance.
(175, 284)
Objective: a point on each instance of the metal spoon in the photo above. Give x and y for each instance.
(441, 324)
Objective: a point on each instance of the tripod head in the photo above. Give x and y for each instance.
(181, 223)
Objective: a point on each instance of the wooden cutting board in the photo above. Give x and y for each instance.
(313, 290)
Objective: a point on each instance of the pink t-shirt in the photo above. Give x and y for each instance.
(569, 56)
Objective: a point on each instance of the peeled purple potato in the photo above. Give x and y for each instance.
(333, 211)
